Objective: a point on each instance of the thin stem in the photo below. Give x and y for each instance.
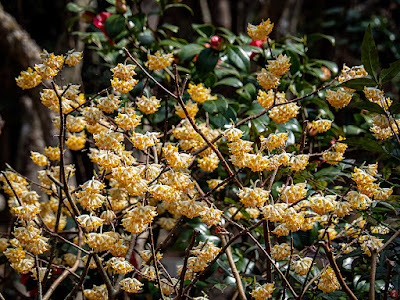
(335, 268)
(81, 279)
(185, 264)
(235, 272)
(38, 278)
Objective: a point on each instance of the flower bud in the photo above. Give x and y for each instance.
(217, 43)
(120, 6)
(87, 17)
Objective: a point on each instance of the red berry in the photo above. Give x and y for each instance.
(120, 6)
(394, 293)
(216, 42)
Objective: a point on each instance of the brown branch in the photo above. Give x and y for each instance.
(372, 274)
(235, 272)
(81, 279)
(335, 268)
(185, 264)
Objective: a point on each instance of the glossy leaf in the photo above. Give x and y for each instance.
(189, 51)
(204, 30)
(389, 73)
(317, 36)
(372, 107)
(231, 81)
(369, 54)
(174, 5)
(359, 83)
(114, 25)
(206, 61)
(238, 57)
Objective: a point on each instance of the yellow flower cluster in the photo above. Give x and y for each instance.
(352, 73)
(175, 159)
(283, 113)
(335, 155)
(255, 197)
(321, 125)
(262, 292)
(159, 61)
(280, 251)
(208, 163)
(302, 265)
(203, 253)
(191, 108)
(339, 98)
(261, 31)
(122, 79)
(273, 141)
(136, 219)
(90, 197)
(293, 193)
(328, 281)
(383, 127)
(199, 93)
(131, 285)
(96, 293)
(148, 105)
(118, 265)
(276, 68)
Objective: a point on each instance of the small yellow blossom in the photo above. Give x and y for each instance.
(261, 31)
(159, 61)
(199, 93)
(28, 79)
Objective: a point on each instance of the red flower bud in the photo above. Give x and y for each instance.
(120, 6)
(100, 20)
(257, 43)
(217, 43)
(394, 293)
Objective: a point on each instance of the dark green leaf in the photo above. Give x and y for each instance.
(206, 61)
(254, 109)
(172, 43)
(329, 64)
(114, 25)
(373, 107)
(179, 5)
(366, 143)
(238, 57)
(211, 80)
(218, 120)
(204, 30)
(138, 20)
(369, 54)
(330, 171)
(226, 71)
(189, 51)
(146, 38)
(358, 83)
(294, 61)
(214, 106)
(171, 27)
(395, 109)
(317, 36)
(76, 8)
(231, 81)
(389, 73)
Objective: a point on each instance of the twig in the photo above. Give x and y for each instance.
(155, 261)
(183, 271)
(335, 268)
(267, 239)
(64, 274)
(38, 278)
(81, 279)
(235, 272)
(372, 274)
(390, 265)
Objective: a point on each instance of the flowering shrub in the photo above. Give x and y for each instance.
(223, 176)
